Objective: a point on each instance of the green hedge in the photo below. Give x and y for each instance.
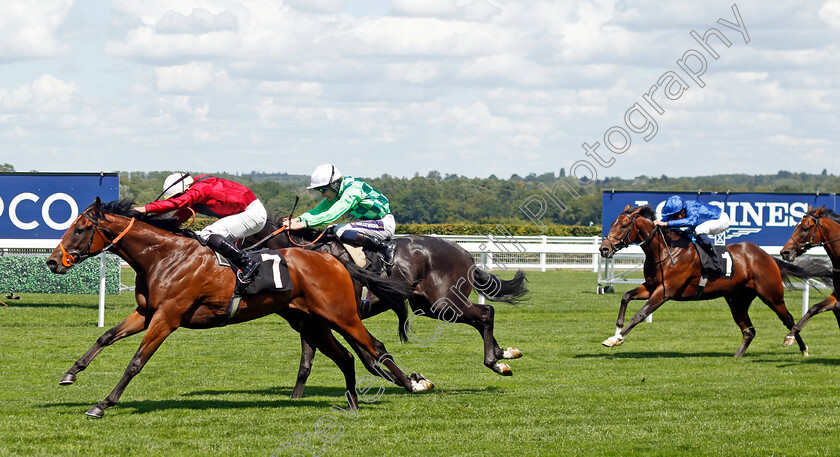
(30, 275)
(485, 229)
(473, 229)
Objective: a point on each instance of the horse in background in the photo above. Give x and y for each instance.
(672, 272)
(818, 227)
(442, 274)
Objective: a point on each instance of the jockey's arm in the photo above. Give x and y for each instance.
(326, 213)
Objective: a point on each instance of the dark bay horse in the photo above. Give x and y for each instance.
(672, 272)
(442, 273)
(819, 227)
(180, 284)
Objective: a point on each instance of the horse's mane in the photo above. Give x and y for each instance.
(125, 207)
(829, 213)
(645, 211)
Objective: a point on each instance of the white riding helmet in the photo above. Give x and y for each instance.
(323, 175)
(176, 183)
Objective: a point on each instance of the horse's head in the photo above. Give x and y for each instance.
(624, 230)
(84, 239)
(809, 232)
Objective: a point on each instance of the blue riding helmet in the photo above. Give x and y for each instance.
(674, 205)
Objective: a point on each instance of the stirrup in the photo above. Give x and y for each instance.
(246, 274)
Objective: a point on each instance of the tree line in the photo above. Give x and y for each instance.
(453, 199)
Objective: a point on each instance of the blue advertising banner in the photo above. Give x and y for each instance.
(41, 206)
(766, 219)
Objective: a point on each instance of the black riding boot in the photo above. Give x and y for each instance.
(709, 247)
(247, 267)
(386, 248)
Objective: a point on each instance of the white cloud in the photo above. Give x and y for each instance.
(425, 36)
(193, 77)
(425, 8)
(198, 22)
(318, 6)
(830, 13)
(471, 10)
(295, 88)
(787, 140)
(47, 94)
(506, 67)
(417, 72)
(30, 29)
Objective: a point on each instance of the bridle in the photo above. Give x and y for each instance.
(625, 240)
(817, 226)
(68, 259)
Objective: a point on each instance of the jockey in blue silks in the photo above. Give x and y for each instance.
(703, 219)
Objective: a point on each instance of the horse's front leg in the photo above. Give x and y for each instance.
(307, 355)
(134, 323)
(655, 300)
(159, 328)
(639, 293)
(826, 305)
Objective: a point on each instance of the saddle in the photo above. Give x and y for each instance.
(707, 267)
(369, 260)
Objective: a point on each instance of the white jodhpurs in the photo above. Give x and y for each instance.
(713, 227)
(246, 223)
(381, 230)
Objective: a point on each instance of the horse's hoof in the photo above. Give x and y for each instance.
(805, 352)
(67, 380)
(788, 340)
(613, 342)
(95, 412)
(502, 368)
(512, 353)
(419, 383)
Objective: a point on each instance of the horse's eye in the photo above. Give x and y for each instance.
(79, 231)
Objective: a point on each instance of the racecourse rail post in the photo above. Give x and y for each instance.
(101, 322)
(806, 295)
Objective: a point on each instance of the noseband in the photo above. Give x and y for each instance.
(68, 259)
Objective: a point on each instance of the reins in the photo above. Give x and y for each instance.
(279, 231)
(69, 259)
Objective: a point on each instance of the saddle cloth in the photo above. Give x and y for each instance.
(271, 276)
(706, 265)
(725, 261)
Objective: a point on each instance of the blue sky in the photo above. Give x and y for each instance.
(473, 87)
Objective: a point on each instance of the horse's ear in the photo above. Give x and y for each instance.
(97, 204)
(627, 208)
(810, 208)
(819, 211)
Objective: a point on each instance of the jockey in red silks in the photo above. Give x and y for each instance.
(343, 194)
(703, 219)
(239, 211)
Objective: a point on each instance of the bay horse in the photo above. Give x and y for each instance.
(179, 283)
(672, 272)
(819, 227)
(441, 272)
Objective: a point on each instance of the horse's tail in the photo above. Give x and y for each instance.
(392, 291)
(805, 269)
(498, 290)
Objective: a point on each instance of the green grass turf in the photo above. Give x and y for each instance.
(673, 388)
